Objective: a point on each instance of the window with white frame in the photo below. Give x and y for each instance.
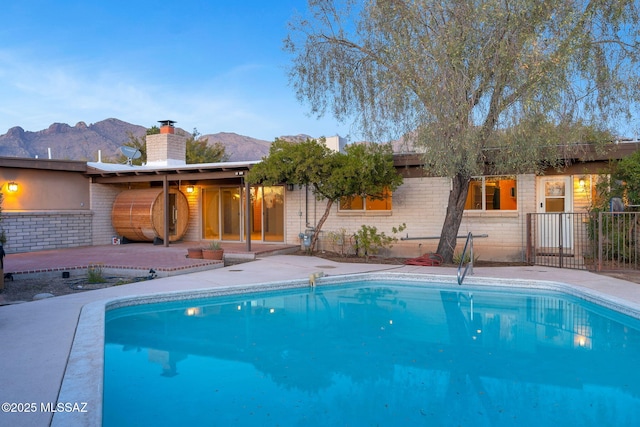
(492, 193)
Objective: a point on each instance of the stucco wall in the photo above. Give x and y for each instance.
(421, 204)
(50, 210)
(44, 190)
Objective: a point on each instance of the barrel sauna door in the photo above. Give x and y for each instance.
(138, 214)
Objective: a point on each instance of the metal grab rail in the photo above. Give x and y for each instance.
(467, 244)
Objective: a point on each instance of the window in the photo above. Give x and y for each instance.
(491, 193)
(359, 203)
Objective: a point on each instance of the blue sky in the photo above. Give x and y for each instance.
(217, 66)
(214, 65)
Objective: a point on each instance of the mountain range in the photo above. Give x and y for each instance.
(83, 142)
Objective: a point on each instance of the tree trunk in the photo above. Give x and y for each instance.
(324, 217)
(453, 218)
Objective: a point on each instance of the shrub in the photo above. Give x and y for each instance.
(369, 242)
(340, 241)
(95, 273)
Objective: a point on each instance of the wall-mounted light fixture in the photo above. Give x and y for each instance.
(190, 189)
(581, 183)
(12, 187)
(289, 187)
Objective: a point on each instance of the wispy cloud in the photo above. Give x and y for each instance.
(249, 99)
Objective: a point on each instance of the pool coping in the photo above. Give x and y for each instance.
(83, 377)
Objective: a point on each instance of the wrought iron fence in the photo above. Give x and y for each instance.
(586, 241)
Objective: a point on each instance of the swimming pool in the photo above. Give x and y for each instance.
(372, 353)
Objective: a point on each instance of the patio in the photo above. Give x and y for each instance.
(37, 336)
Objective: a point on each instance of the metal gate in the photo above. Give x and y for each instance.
(587, 241)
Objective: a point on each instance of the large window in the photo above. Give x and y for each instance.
(491, 193)
(359, 203)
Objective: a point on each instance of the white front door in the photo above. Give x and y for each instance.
(555, 227)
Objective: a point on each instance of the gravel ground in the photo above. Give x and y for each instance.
(21, 289)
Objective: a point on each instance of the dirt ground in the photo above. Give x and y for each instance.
(22, 290)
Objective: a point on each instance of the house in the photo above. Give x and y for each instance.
(46, 204)
(497, 212)
(65, 204)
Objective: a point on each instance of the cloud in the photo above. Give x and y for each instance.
(250, 99)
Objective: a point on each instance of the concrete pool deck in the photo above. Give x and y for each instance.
(36, 337)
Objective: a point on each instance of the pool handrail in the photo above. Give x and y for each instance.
(467, 244)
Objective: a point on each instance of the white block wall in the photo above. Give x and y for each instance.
(102, 198)
(29, 231)
(421, 204)
(194, 229)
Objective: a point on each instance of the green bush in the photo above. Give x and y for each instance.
(369, 242)
(95, 273)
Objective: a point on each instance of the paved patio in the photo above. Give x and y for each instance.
(130, 258)
(36, 337)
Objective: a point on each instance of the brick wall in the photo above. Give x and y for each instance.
(30, 231)
(166, 149)
(421, 204)
(102, 198)
(194, 230)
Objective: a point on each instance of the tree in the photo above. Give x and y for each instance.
(480, 86)
(199, 150)
(140, 145)
(622, 180)
(365, 170)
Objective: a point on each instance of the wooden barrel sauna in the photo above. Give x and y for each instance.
(138, 215)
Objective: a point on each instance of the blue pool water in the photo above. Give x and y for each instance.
(372, 354)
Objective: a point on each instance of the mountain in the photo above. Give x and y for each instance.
(82, 142)
(239, 147)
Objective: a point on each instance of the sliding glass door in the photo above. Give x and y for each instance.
(223, 213)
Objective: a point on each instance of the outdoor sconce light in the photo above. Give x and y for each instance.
(289, 187)
(12, 187)
(190, 189)
(581, 183)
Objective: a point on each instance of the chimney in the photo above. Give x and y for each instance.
(336, 143)
(166, 126)
(166, 148)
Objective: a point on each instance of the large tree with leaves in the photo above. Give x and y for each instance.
(481, 86)
(364, 170)
(200, 151)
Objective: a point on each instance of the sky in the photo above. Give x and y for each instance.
(214, 65)
(211, 65)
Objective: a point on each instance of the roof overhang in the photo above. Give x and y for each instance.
(575, 153)
(108, 173)
(43, 164)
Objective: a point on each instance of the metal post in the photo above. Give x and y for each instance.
(560, 237)
(247, 213)
(600, 218)
(471, 259)
(528, 252)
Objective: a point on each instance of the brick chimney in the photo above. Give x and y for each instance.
(166, 126)
(166, 148)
